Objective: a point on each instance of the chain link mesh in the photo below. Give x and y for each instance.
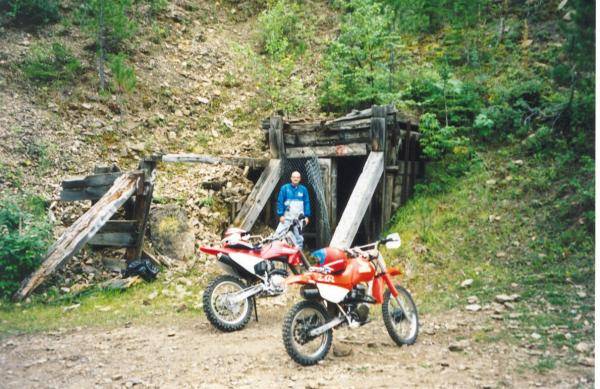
(310, 170)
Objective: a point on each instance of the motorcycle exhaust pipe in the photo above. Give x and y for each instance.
(326, 327)
(310, 293)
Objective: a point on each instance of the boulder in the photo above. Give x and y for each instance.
(170, 232)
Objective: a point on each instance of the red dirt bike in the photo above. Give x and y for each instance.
(253, 270)
(339, 292)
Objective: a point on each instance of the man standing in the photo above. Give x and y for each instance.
(292, 201)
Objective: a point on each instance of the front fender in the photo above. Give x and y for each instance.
(392, 271)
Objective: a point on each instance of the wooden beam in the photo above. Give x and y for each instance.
(113, 239)
(209, 159)
(359, 201)
(324, 233)
(259, 196)
(80, 232)
(79, 194)
(127, 226)
(328, 151)
(327, 138)
(276, 145)
(93, 180)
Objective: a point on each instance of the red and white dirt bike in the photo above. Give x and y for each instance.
(253, 270)
(339, 292)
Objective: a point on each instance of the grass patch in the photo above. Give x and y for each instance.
(51, 64)
(504, 234)
(168, 299)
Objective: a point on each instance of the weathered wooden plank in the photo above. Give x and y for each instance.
(260, 195)
(113, 239)
(98, 169)
(387, 201)
(79, 194)
(348, 150)
(276, 145)
(377, 123)
(350, 125)
(209, 159)
(141, 211)
(359, 201)
(324, 226)
(125, 226)
(105, 179)
(334, 192)
(304, 127)
(80, 232)
(323, 138)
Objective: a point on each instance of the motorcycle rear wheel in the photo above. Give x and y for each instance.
(303, 317)
(401, 320)
(224, 317)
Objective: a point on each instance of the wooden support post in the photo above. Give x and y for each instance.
(80, 232)
(259, 196)
(323, 228)
(276, 137)
(359, 201)
(334, 194)
(405, 177)
(143, 201)
(379, 143)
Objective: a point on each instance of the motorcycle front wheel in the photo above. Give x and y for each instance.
(400, 316)
(222, 313)
(299, 321)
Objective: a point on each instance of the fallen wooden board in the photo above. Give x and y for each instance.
(359, 201)
(88, 193)
(198, 158)
(81, 231)
(259, 196)
(352, 149)
(92, 180)
(114, 239)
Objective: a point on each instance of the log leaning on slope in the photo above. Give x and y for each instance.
(81, 231)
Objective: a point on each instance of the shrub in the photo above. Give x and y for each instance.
(356, 65)
(108, 22)
(282, 30)
(46, 64)
(24, 237)
(29, 12)
(123, 76)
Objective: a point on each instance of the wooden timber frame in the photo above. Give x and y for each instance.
(109, 189)
(386, 142)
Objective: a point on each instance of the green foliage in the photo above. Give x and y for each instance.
(29, 12)
(282, 32)
(431, 15)
(356, 65)
(47, 64)
(24, 236)
(123, 75)
(108, 22)
(443, 145)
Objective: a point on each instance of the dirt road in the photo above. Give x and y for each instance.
(195, 355)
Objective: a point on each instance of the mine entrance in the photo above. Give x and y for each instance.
(348, 171)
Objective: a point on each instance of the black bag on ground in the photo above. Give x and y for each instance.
(141, 267)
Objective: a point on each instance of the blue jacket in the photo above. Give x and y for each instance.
(290, 196)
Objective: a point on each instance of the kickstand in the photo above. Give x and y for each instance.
(255, 310)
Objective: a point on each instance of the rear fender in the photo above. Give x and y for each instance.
(213, 250)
